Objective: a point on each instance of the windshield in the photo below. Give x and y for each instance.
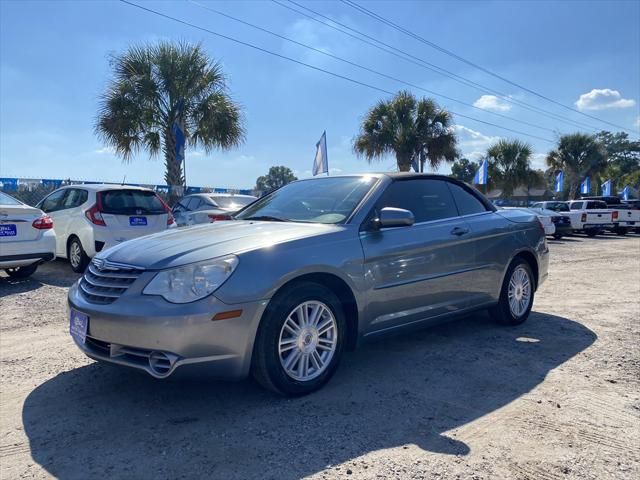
(322, 200)
(232, 203)
(557, 206)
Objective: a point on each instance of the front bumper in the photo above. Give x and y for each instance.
(564, 229)
(150, 334)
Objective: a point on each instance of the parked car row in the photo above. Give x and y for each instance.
(78, 221)
(594, 215)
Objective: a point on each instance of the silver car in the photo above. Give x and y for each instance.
(305, 273)
(209, 207)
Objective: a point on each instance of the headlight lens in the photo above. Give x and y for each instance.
(192, 282)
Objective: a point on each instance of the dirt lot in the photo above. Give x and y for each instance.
(556, 398)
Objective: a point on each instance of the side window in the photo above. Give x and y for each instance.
(466, 202)
(53, 202)
(576, 206)
(181, 205)
(75, 197)
(426, 199)
(195, 204)
(537, 205)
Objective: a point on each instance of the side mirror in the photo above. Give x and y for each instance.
(395, 217)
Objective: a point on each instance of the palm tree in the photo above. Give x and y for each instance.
(155, 87)
(509, 166)
(578, 155)
(409, 128)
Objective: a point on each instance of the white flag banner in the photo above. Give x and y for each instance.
(321, 163)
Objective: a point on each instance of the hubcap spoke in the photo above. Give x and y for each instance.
(308, 340)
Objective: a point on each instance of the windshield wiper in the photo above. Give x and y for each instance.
(267, 218)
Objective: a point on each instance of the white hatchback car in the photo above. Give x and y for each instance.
(91, 218)
(26, 237)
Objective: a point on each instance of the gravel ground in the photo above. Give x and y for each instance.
(555, 398)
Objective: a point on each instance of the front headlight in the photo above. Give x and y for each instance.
(192, 282)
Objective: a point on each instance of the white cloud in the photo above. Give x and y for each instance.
(491, 102)
(473, 143)
(538, 161)
(603, 98)
(105, 151)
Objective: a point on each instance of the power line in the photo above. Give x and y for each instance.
(374, 15)
(362, 67)
(333, 74)
(423, 63)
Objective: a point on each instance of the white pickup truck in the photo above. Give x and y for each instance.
(591, 216)
(625, 217)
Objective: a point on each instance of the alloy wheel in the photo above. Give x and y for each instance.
(308, 340)
(519, 293)
(75, 254)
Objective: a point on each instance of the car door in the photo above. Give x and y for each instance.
(491, 235)
(52, 205)
(419, 272)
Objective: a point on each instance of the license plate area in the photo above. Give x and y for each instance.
(8, 230)
(78, 326)
(138, 221)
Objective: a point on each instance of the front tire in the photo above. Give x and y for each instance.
(22, 272)
(591, 232)
(557, 236)
(77, 256)
(516, 296)
(300, 340)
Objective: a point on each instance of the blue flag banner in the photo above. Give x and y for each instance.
(481, 174)
(626, 193)
(191, 190)
(585, 186)
(321, 162)
(178, 134)
(606, 188)
(559, 181)
(9, 184)
(51, 183)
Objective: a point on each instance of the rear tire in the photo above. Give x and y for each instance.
(516, 295)
(22, 272)
(77, 256)
(621, 231)
(300, 340)
(591, 232)
(557, 236)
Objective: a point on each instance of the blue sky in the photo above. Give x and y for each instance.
(54, 65)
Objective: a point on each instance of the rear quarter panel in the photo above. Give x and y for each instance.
(499, 237)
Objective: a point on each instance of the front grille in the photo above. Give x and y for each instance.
(103, 282)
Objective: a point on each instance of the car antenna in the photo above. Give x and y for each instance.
(123, 179)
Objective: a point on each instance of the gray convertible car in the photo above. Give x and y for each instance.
(304, 274)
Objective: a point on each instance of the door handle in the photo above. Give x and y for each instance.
(458, 231)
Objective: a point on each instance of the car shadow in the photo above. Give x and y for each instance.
(57, 273)
(106, 421)
(562, 240)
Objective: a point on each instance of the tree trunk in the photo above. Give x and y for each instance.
(404, 162)
(173, 174)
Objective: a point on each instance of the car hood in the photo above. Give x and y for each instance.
(181, 246)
